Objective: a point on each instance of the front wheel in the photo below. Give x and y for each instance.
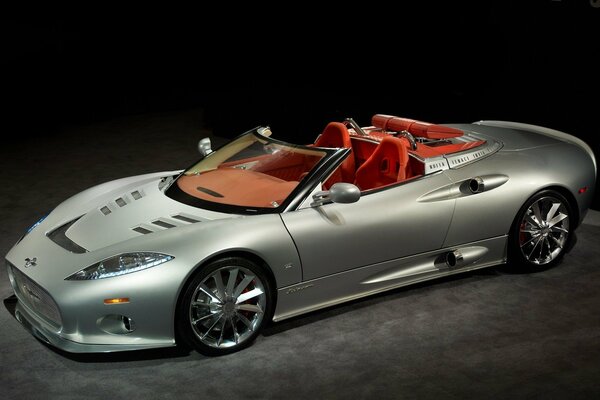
(225, 306)
(541, 232)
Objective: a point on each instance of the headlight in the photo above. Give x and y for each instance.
(120, 265)
(32, 227)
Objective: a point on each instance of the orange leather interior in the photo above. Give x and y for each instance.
(362, 150)
(383, 121)
(286, 165)
(336, 135)
(237, 187)
(376, 160)
(387, 164)
(417, 128)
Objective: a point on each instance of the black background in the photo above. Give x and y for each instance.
(301, 67)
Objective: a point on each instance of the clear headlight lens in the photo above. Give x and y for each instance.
(120, 265)
(32, 227)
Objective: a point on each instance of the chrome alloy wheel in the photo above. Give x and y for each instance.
(227, 307)
(544, 230)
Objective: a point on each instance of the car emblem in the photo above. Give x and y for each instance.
(30, 262)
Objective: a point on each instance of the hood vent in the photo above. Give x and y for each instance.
(166, 223)
(122, 201)
(141, 230)
(59, 236)
(163, 224)
(185, 218)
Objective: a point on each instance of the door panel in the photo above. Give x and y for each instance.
(381, 226)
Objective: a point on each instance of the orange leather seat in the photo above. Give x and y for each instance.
(385, 166)
(336, 135)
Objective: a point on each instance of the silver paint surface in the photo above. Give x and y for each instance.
(318, 256)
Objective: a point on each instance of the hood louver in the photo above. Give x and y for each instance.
(121, 201)
(166, 223)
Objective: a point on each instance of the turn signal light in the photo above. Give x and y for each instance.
(117, 300)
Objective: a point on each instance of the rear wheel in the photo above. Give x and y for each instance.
(225, 306)
(541, 232)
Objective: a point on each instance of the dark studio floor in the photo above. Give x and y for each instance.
(486, 334)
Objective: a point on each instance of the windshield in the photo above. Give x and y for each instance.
(253, 171)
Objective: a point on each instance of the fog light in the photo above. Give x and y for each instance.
(116, 324)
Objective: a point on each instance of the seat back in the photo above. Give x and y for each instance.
(385, 166)
(336, 135)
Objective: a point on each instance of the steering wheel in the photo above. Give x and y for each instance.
(411, 139)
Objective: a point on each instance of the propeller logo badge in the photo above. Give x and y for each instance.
(30, 262)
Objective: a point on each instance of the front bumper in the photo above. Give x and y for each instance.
(83, 324)
(37, 329)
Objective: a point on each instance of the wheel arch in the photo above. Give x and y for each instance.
(242, 253)
(570, 198)
(563, 191)
(558, 188)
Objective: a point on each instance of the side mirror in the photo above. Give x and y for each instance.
(339, 193)
(204, 146)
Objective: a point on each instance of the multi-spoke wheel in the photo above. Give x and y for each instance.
(225, 306)
(541, 231)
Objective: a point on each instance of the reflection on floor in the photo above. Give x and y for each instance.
(592, 218)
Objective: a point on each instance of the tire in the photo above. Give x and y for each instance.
(536, 245)
(225, 306)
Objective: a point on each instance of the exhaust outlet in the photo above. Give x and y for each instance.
(476, 185)
(454, 258)
(465, 256)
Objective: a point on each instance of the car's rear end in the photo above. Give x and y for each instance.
(560, 159)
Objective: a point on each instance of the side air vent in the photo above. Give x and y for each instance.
(136, 195)
(121, 202)
(141, 230)
(185, 218)
(59, 236)
(105, 210)
(163, 224)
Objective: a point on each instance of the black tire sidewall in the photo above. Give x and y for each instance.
(185, 332)
(516, 259)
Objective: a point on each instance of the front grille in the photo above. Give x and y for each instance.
(34, 297)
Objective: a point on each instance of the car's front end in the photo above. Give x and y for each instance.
(110, 289)
(105, 270)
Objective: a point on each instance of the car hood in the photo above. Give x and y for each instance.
(121, 210)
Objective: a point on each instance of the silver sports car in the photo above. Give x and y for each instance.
(262, 230)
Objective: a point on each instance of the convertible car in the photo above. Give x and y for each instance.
(261, 230)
